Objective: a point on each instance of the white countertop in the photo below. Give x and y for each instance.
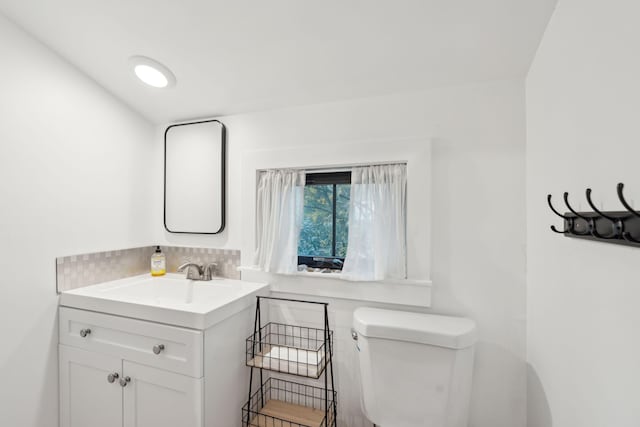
(169, 299)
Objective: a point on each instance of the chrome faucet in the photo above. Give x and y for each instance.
(209, 271)
(194, 271)
(197, 271)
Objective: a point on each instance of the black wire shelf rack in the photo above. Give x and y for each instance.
(292, 350)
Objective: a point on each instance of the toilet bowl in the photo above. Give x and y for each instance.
(415, 368)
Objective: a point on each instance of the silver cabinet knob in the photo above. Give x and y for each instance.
(124, 381)
(157, 349)
(354, 335)
(111, 378)
(85, 332)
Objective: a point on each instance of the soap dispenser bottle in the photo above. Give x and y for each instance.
(158, 263)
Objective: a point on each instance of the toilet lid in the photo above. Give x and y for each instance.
(431, 329)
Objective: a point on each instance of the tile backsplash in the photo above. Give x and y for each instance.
(76, 271)
(227, 260)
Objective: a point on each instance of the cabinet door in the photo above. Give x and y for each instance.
(157, 398)
(87, 398)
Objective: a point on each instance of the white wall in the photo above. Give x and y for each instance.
(477, 261)
(583, 102)
(74, 178)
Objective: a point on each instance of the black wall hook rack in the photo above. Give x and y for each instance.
(618, 227)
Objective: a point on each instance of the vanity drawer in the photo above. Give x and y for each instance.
(166, 347)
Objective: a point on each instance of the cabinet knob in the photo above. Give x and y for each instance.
(157, 349)
(85, 332)
(111, 378)
(124, 381)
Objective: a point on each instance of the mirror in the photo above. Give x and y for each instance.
(194, 177)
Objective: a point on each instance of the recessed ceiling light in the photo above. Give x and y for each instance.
(152, 72)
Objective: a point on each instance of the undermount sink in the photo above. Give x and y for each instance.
(169, 299)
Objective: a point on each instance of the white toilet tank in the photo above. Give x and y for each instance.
(415, 368)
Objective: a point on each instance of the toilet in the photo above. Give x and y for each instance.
(415, 368)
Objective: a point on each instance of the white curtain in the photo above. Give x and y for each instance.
(279, 213)
(377, 224)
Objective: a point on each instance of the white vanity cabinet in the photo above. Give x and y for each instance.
(151, 397)
(117, 371)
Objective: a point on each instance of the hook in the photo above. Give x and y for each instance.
(590, 222)
(626, 235)
(566, 218)
(566, 202)
(616, 223)
(596, 210)
(555, 230)
(624, 202)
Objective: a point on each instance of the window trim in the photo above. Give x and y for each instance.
(326, 178)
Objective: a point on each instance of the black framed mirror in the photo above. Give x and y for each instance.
(194, 177)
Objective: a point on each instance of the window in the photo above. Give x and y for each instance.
(310, 218)
(325, 227)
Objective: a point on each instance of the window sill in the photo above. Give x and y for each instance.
(410, 292)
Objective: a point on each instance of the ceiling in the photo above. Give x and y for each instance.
(236, 56)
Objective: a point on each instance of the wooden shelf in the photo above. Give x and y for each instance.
(294, 350)
(288, 412)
